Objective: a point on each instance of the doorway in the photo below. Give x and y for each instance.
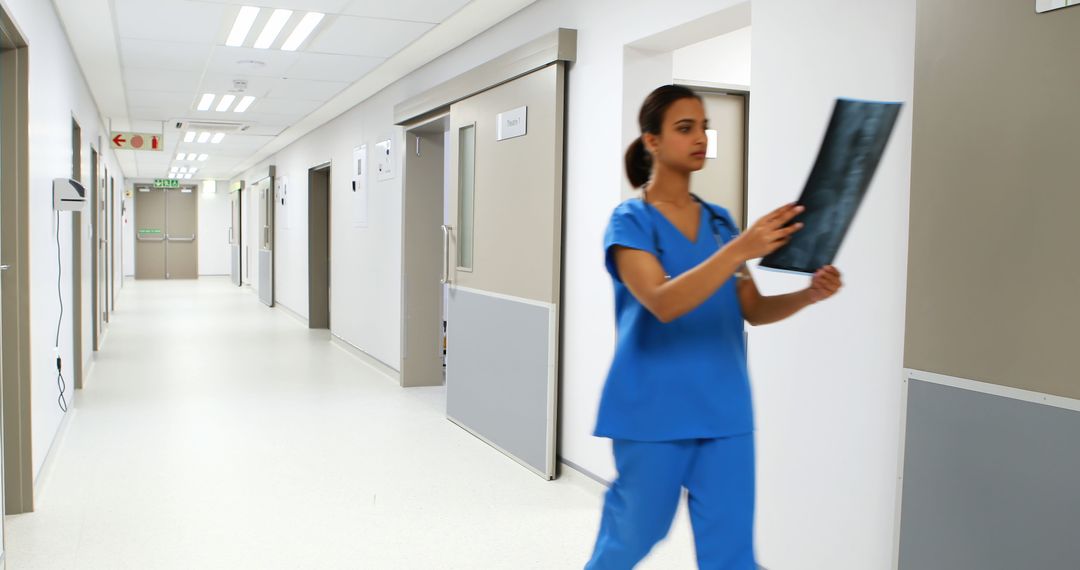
(425, 246)
(723, 179)
(16, 460)
(501, 255)
(319, 231)
(236, 233)
(166, 233)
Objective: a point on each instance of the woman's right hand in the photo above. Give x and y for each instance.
(768, 234)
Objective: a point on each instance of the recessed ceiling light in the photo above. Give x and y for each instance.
(183, 169)
(181, 156)
(187, 177)
(203, 137)
(244, 104)
(244, 20)
(203, 157)
(218, 138)
(193, 170)
(302, 31)
(226, 101)
(190, 136)
(273, 28)
(174, 170)
(206, 102)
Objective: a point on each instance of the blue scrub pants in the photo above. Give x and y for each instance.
(639, 507)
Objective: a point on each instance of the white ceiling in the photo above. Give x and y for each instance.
(148, 63)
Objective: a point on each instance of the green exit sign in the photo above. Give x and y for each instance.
(166, 183)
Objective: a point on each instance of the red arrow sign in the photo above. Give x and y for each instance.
(153, 143)
(119, 140)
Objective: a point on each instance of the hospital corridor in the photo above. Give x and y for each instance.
(539, 284)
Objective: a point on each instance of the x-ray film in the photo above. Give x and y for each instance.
(849, 155)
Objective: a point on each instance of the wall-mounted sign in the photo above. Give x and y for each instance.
(166, 183)
(150, 231)
(384, 160)
(359, 187)
(137, 141)
(512, 124)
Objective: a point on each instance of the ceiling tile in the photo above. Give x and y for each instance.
(238, 61)
(368, 37)
(220, 84)
(149, 79)
(327, 67)
(178, 20)
(433, 11)
(290, 107)
(167, 55)
(324, 6)
(306, 90)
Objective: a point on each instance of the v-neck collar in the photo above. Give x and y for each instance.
(701, 221)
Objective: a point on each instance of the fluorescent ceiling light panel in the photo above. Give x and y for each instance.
(203, 137)
(273, 28)
(187, 177)
(206, 102)
(203, 157)
(244, 104)
(218, 138)
(181, 156)
(190, 136)
(183, 169)
(193, 170)
(244, 20)
(226, 102)
(302, 31)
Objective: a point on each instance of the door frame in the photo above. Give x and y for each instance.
(319, 248)
(95, 247)
(15, 386)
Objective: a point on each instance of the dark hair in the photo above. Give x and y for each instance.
(651, 120)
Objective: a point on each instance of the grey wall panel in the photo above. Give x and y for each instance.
(990, 483)
(266, 277)
(234, 269)
(499, 374)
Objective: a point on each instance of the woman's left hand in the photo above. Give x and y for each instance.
(825, 283)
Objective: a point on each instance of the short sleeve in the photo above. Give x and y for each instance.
(629, 227)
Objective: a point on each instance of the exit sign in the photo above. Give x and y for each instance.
(166, 183)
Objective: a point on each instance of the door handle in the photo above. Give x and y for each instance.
(183, 238)
(446, 254)
(141, 238)
(5, 267)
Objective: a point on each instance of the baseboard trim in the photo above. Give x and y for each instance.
(376, 364)
(41, 478)
(585, 472)
(291, 313)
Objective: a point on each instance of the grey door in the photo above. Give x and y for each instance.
(723, 179)
(235, 233)
(149, 233)
(264, 189)
(506, 259)
(181, 236)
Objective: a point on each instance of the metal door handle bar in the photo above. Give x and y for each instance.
(141, 238)
(446, 254)
(180, 238)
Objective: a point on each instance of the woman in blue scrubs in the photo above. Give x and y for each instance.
(676, 403)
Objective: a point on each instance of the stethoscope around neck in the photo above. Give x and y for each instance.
(714, 219)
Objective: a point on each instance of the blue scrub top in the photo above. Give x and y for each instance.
(686, 379)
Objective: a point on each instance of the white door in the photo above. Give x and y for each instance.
(505, 270)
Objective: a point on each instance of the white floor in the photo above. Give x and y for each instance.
(214, 432)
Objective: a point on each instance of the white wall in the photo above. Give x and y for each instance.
(214, 219)
(58, 91)
(724, 59)
(828, 383)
